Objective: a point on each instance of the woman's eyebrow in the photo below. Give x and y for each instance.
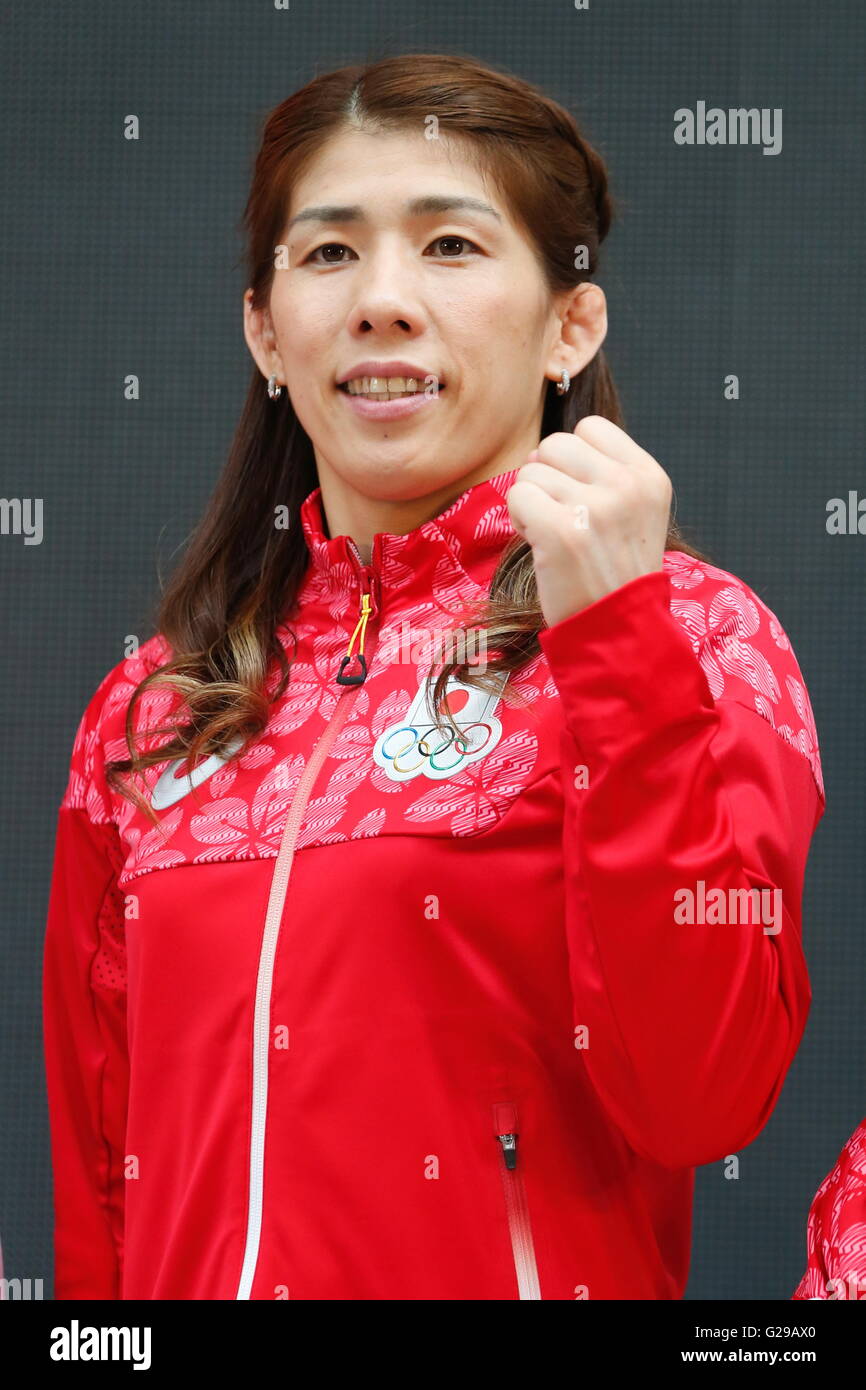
(416, 207)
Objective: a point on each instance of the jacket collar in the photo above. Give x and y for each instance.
(462, 543)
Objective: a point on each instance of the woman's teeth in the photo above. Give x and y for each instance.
(381, 388)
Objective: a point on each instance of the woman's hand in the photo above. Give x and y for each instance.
(595, 507)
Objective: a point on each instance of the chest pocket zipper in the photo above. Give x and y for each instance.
(516, 1206)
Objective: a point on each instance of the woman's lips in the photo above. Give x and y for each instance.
(370, 409)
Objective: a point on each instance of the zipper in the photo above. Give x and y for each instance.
(516, 1206)
(369, 607)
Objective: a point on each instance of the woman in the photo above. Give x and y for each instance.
(364, 985)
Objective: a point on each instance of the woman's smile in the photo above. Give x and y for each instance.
(388, 390)
(374, 399)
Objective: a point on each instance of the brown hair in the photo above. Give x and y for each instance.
(240, 574)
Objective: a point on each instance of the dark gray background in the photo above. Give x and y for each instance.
(123, 257)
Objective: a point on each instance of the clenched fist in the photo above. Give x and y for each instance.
(595, 507)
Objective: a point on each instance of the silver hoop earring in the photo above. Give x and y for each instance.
(563, 385)
(273, 389)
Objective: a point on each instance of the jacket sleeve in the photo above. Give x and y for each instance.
(674, 790)
(84, 1030)
(836, 1229)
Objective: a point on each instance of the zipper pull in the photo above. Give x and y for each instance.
(360, 627)
(369, 609)
(505, 1129)
(509, 1149)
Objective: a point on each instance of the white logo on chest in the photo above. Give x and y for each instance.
(416, 747)
(171, 788)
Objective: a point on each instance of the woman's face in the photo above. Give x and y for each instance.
(453, 291)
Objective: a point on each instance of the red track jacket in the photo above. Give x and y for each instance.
(381, 1014)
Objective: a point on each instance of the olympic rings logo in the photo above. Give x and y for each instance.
(408, 749)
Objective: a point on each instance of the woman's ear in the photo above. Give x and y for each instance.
(261, 340)
(582, 314)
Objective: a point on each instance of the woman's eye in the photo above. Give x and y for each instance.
(462, 239)
(328, 246)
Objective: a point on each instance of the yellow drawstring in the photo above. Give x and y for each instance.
(361, 625)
